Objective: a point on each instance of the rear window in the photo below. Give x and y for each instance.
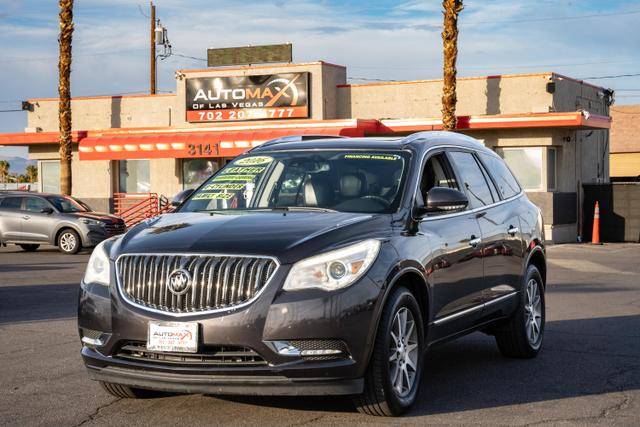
(506, 182)
(12, 203)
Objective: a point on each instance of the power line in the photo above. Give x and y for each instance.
(188, 57)
(10, 111)
(610, 77)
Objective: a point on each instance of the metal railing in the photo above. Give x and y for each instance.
(136, 207)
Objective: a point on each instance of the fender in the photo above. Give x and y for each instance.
(534, 247)
(65, 225)
(398, 270)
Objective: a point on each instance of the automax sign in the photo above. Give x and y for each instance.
(271, 96)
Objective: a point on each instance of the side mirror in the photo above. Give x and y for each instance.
(442, 199)
(47, 211)
(181, 197)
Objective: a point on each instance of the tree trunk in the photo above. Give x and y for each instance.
(64, 91)
(450, 48)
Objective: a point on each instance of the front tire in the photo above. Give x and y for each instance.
(29, 247)
(393, 377)
(69, 242)
(521, 337)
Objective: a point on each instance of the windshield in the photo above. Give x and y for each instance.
(345, 181)
(68, 204)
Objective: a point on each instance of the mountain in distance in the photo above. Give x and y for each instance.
(18, 165)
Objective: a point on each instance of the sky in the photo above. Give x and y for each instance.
(375, 39)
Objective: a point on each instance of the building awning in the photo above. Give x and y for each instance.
(232, 139)
(222, 141)
(577, 120)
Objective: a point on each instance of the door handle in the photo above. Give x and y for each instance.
(513, 230)
(474, 241)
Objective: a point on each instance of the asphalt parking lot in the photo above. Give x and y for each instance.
(587, 373)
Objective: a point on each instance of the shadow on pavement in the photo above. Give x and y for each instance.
(580, 357)
(38, 302)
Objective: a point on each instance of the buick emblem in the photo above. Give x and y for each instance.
(179, 282)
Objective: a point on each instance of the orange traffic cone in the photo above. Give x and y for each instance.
(595, 235)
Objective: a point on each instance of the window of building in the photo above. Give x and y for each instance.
(527, 165)
(50, 176)
(35, 204)
(197, 171)
(473, 179)
(504, 179)
(133, 176)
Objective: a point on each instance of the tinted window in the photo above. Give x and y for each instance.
(437, 173)
(68, 204)
(503, 177)
(12, 203)
(35, 204)
(473, 180)
(345, 181)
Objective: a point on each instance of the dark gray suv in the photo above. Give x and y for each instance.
(29, 220)
(319, 267)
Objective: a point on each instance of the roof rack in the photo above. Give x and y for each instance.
(296, 138)
(430, 134)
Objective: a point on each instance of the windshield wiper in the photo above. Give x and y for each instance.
(302, 208)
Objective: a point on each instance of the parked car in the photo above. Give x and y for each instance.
(33, 219)
(323, 267)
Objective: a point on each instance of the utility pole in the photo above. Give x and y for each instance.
(152, 88)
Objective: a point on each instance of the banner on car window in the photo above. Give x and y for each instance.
(263, 97)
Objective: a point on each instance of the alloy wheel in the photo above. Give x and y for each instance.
(68, 242)
(533, 313)
(403, 352)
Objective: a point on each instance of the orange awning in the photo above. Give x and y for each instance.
(229, 141)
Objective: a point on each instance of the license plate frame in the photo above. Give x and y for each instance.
(173, 337)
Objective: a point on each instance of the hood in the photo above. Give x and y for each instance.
(98, 216)
(286, 235)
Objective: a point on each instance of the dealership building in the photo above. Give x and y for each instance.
(551, 129)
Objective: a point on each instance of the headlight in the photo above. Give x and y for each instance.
(98, 269)
(93, 222)
(335, 269)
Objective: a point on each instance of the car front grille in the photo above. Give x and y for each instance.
(211, 282)
(115, 228)
(207, 355)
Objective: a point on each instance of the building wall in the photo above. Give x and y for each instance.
(625, 142)
(514, 94)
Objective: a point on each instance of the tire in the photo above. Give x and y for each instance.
(513, 338)
(29, 247)
(126, 392)
(69, 242)
(380, 397)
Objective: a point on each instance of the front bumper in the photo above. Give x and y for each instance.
(254, 383)
(348, 315)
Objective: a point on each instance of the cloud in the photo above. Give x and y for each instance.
(381, 39)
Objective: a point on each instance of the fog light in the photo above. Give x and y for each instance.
(93, 338)
(284, 348)
(321, 352)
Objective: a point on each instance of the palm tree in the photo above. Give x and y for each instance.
(64, 91)
(4, 170)
(451, 9)
(32, 173)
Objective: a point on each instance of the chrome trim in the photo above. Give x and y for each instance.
(473, 309)
(475, 242)
(97, 342)
(465, 212)
(168, 267)
(513, 231)
(458, 314)
(500, 298)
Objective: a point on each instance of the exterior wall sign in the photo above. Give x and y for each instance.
(263, 97)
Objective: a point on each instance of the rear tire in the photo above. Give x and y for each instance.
(521, 336)
(69, 242)
(29, 247)
(126, 392)
(392, 357)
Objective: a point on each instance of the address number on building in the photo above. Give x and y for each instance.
(200, 150)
